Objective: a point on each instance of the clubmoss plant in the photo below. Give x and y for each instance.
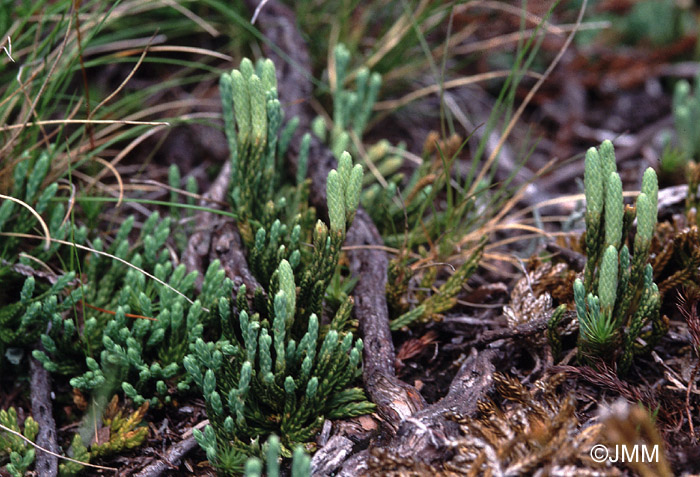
(126, 431)
(80, 453)
(275, 368)
(257, 141)
(617, 298)
(27, 301)
(351, 111)
(274, 217)
(180, 214)
(301, 463)
(445, 297)
(23, 322)
(16, 453)
(351, 108)
(136, 332)
(686, 114)
(273, 374)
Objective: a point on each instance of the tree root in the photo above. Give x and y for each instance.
(215, 239)
(428, 432)
(200, 241)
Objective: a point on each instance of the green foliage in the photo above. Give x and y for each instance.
(22, 322)
(78, 452)
(351, 108)
(338, 293)
(686, 114)
(141, 344)
(257, 141)
(275, 369)
(301, 463)
(275, 218)
(12, 447)
(126, 432)
(180, 214)
(617, 302)
(446, 296)
(274, 215)
(271, 373)
(25, 304)
(655, 22)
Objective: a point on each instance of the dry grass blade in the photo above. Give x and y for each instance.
(193, 16)
(12, 95)
(564, 199)
(111, 191)
(436, 88)
(83, 121)
(368, 162)
(42, 264)
(116, 175)
(519, 226)
(179, 49)
(123, 45)
(7, 38)
(126, 80)
(153, 110)
(517, 36)
(257, 11)
(47, 234)
(122, 154)
(71, 199)
(510, 240)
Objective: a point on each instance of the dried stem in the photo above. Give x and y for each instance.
(172, 458)
(46, 464)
